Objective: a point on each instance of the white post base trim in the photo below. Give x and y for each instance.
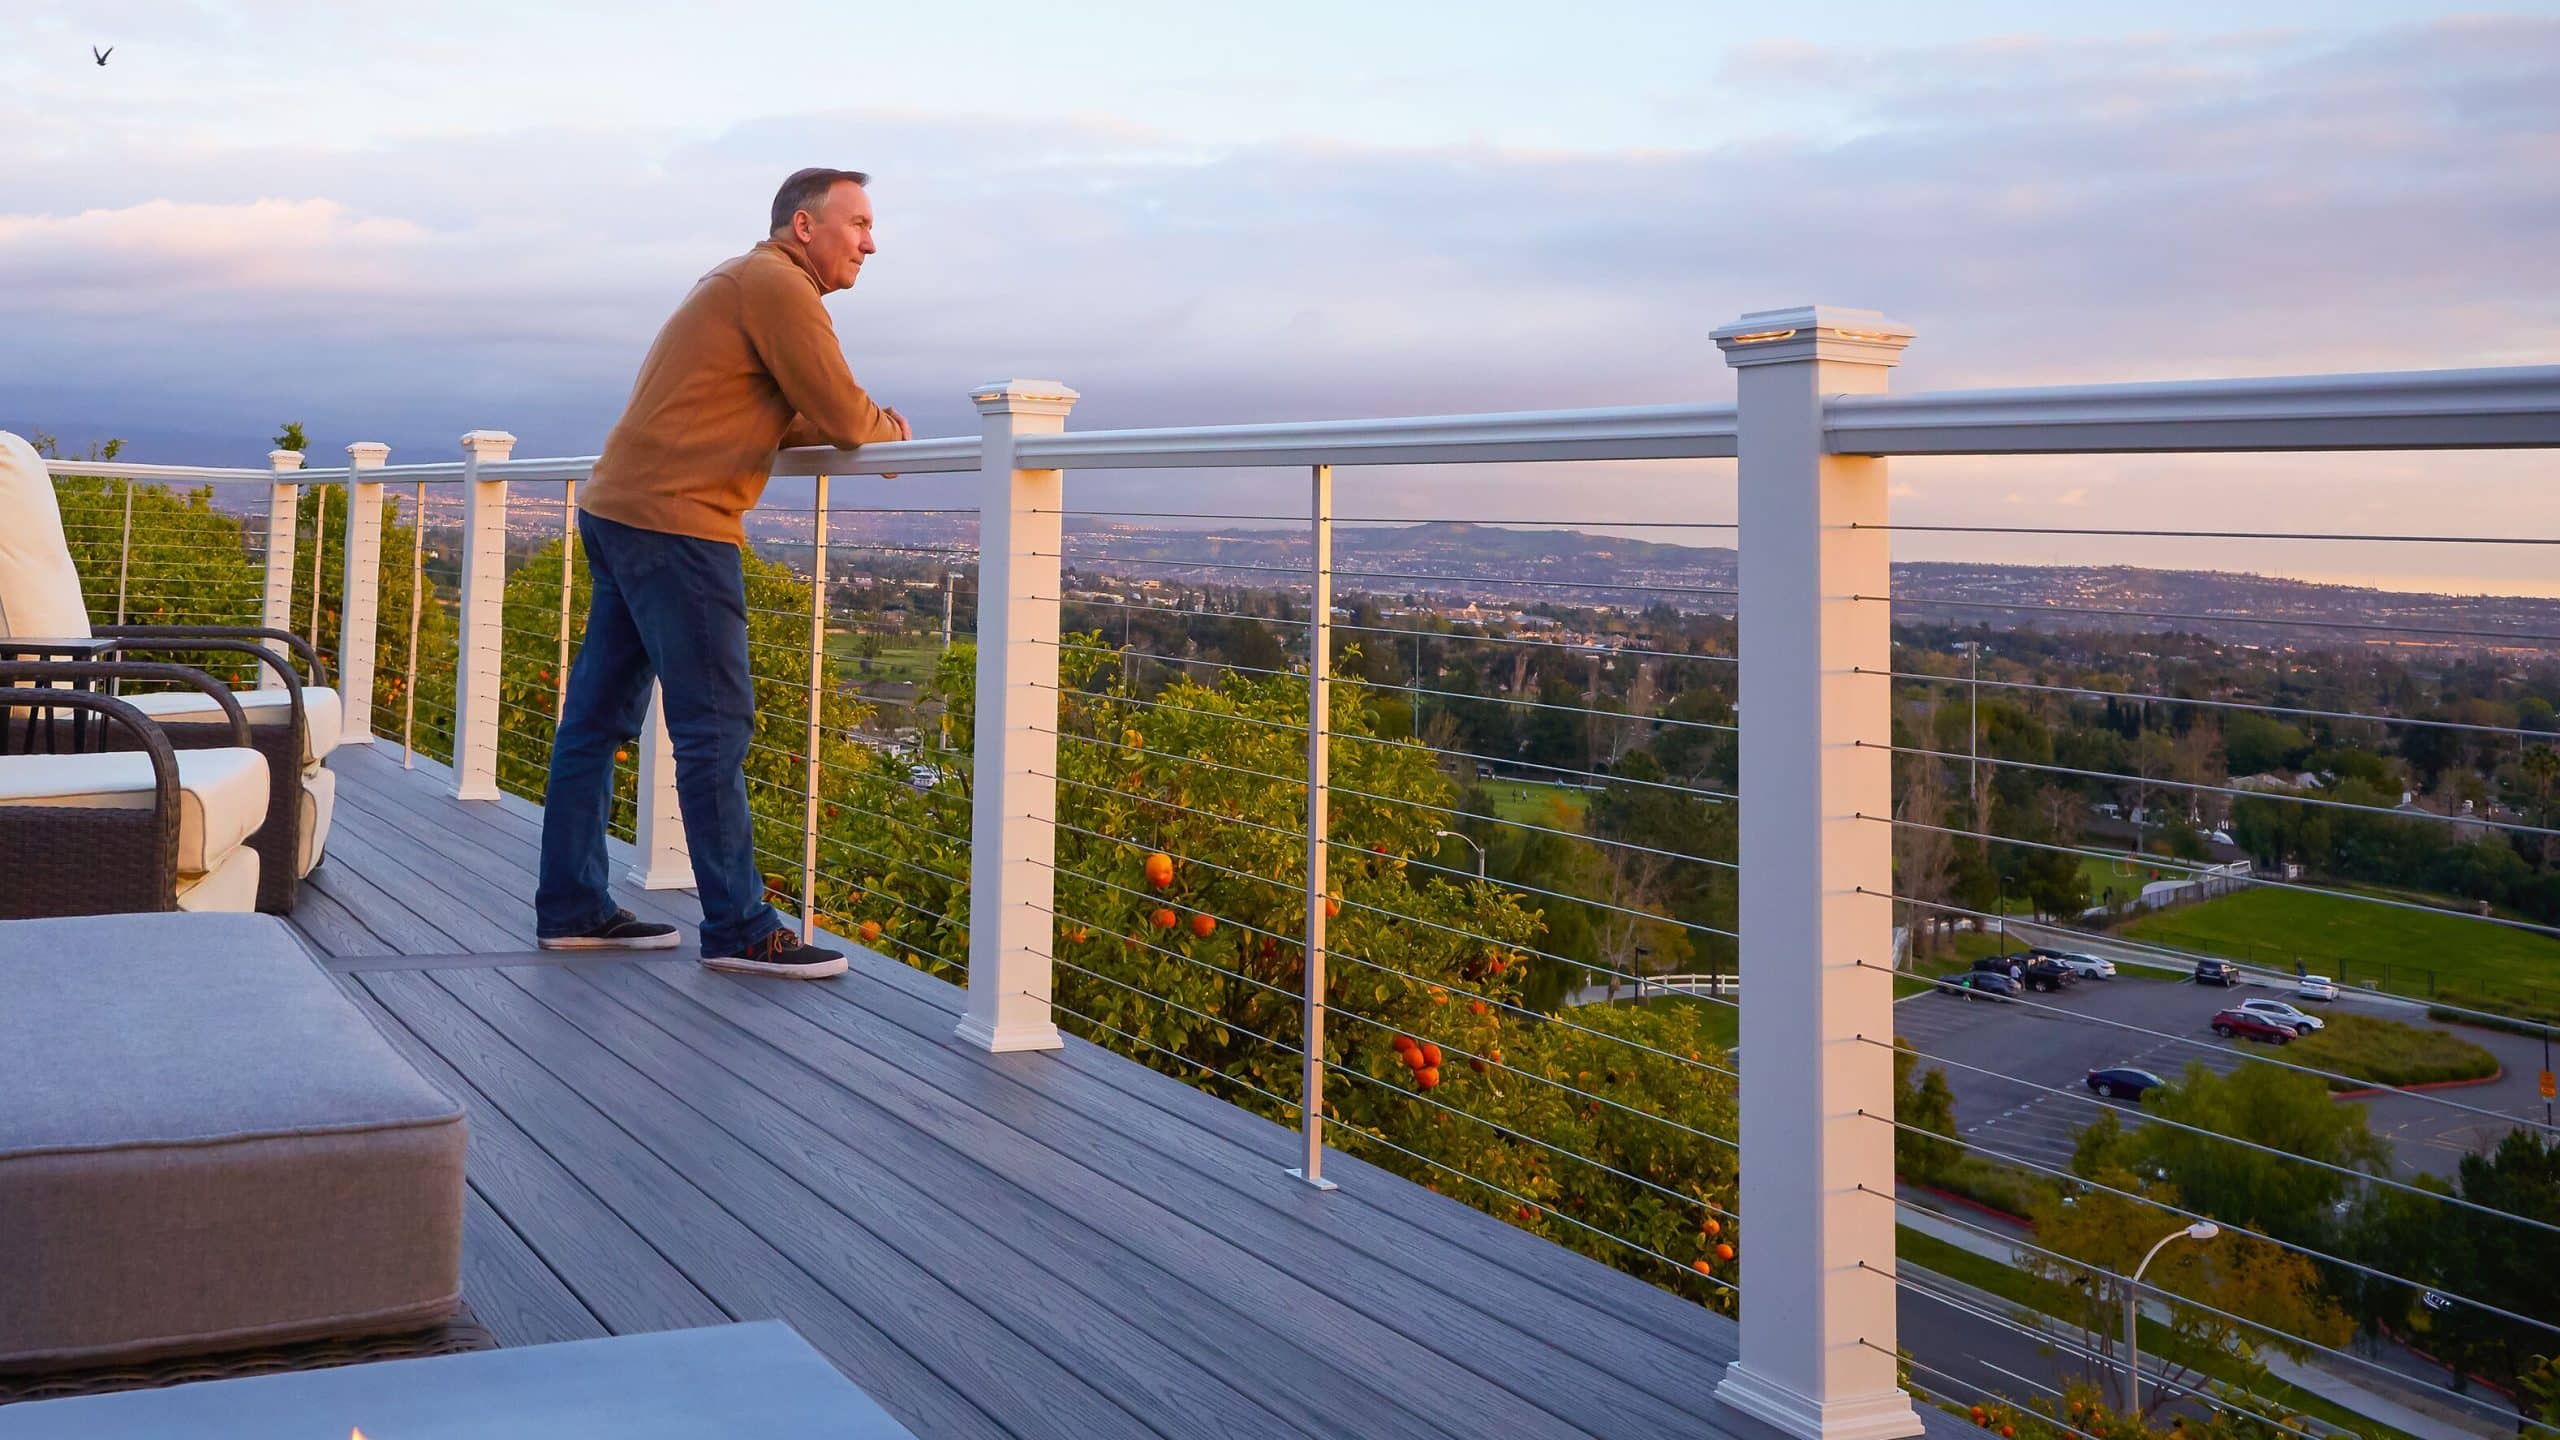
(666, 872)
(1020, 1035)
(1889, 1416)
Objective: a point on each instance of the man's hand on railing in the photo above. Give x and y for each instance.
(905, 431)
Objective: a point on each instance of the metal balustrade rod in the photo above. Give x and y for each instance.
(124, 562)
(1310, 1167)
(817, 693)
(417, 607)
(319, 557)
(568, 583)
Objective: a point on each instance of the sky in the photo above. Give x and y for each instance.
(400, 223)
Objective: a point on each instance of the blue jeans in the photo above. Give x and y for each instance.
(671, 608)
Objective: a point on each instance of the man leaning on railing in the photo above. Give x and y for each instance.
(748, 364)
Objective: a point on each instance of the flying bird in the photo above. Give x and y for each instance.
(101, 55)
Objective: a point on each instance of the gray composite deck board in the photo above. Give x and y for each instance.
(1062, 1243)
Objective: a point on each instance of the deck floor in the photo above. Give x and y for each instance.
(1054, 1244)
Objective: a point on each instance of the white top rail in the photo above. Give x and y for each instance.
(1635, 432)
(2516, 407)
(206, 474)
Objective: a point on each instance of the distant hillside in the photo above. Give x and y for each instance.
(1513, 566)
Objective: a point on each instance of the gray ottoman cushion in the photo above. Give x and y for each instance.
(204, 1144)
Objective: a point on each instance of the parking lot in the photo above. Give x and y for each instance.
(2054, 1040)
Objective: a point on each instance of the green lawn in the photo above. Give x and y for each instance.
(2410, 952)
(901, 658)
(1534, 803)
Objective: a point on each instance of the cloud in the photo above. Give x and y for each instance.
(2040, 210)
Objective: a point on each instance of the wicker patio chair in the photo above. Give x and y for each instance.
(137, 826)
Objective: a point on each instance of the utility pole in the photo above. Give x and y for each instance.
(948, 576)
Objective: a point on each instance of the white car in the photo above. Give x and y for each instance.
(2315, 987)
(2276, 1012)
(2087, 967)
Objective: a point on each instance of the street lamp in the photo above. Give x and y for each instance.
(1471, 844)
(2201, 1230)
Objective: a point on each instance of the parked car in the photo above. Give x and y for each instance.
(2087, 967)
(2035, 972)
(2250, 1026)
(2217, 972)
(2315, 987)
(1979, 985)
(2123, 1082)
(2278, 1012)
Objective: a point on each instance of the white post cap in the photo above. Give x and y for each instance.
(489, 444)
(367, 454)
(1023, 397)
(281, 461)
(1812, 332)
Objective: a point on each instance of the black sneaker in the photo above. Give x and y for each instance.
(780, 953)
(625, 931)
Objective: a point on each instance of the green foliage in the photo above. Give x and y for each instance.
(2286, 1111)
(1922, 1100)
(2389, 1052)
(292, 438)
(2503, 1263)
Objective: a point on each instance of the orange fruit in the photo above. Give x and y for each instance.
(1430, 1054)
(1404, 1045)
(1475, 1064)
(622, 757)
(1333, 905)
(1133, 739)
(1702, 1267)
(870, 931)
(1711, 1227)
(1477, 1006)
(1427, 1077)
(1162, 919)
(1160, 870)
(1412, 1057)
(1203, 925)
(1724, 1252)
(1495, 1057)
(1079, 935)
(1526, 1213)
(1496, 966)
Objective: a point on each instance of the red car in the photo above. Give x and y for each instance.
(2242, 1023)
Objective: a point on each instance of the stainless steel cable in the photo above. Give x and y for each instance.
(2236, 1228)
(2275, 796)
(2147, 1118)
(2207, 618)
(2255, 707)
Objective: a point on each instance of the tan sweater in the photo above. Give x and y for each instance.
(748, 364)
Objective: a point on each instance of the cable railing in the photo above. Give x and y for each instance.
(1267, 808)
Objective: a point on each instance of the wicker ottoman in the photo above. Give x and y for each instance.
(206, 1146)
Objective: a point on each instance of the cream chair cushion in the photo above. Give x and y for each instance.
(39, 591)
(222, 794)
(325, 716)
(230, 887)
(319, 803)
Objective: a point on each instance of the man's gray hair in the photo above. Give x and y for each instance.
(807, 190)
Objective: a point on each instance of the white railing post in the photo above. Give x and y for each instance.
(1818, 1334)
(1014, 838)
(284, 509)
(361, 593)
(663, 862)
(484, 599)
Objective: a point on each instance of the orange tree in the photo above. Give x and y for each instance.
(1178, 940)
